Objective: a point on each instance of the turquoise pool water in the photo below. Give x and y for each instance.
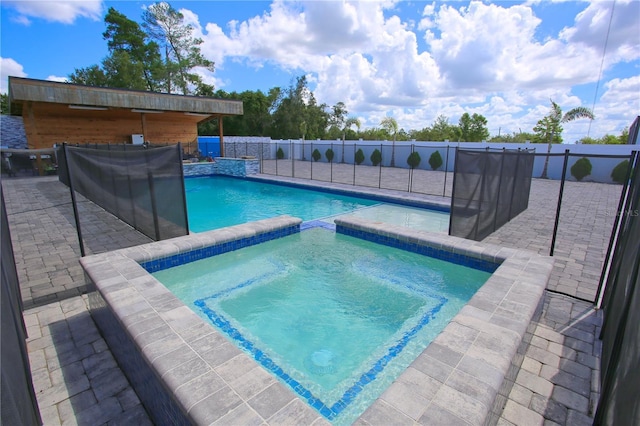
(219, 201)
(334, 317)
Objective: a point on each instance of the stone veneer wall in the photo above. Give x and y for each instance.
(223, 166)
(238, 146)
(12, 130)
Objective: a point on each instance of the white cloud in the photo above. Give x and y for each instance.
(9, 67)
(57, 78)
(619, 104)
(591, 30)
(64, 11)
(483, 58)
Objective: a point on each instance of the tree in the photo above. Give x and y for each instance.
(620, 172)
(135, 60)
(4, 103)
(132, 63)
(376, 157)
(390, 125)
(338, 115)
(520, 137)
(473, 128)
(442, 130)
(255, 120)
(435, 160)
(351, 121)
(359, 156)
(295, 106)
(607, 139)
(414, 159)
(127, 40)
(182, 54)
(329, 154)
(549, 128)
(581, 168)
(90, 76)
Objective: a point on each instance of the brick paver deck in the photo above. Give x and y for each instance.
(77, 381)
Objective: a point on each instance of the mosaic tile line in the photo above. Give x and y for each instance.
(202, 253)
(459, 259)
(329, 412)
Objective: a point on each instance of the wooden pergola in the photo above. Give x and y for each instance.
(55, 112)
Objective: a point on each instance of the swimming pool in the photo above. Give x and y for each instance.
(217, 201)
(186, 372)
(336, 318)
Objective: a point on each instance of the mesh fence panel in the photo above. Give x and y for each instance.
(620, 362)
(19, 404)
(489, 189)
(142, 187)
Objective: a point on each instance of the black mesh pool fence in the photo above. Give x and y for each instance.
(489, 189)
(144, 187)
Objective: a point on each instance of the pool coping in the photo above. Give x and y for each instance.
(465, 368)
(408, 199)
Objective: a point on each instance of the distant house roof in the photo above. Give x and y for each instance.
(25, 89)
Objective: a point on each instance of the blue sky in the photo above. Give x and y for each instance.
(411, 60)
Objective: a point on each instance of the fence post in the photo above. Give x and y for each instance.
(73, 199)
(410, 183)
(380, 169)
(152, 194)
(154, 208)
(311, 159)
(184, 191)
(331, 164)
(292, 158)
(515, 181)
(555, 226)
(482, 186)
(354, 163)
(495, 216)
(453, 190)
(446, 172)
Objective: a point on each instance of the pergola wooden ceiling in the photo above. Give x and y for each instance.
(56, 112)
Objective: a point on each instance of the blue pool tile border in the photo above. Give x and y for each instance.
(163, 263)
(459, 259)
(329, 412)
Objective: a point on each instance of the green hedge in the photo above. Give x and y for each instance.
(376, 157)
(435, 161)
(581, 168)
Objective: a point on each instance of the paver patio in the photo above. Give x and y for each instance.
(77, 381)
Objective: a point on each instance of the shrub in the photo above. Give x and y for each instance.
(581, 168)
(279, 154)
(619, 172)
(435, 161)
(376, 157)
(329, 154)
(413, 160)
(316, 155)
(359, 157)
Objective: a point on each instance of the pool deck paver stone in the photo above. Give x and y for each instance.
(78, 382)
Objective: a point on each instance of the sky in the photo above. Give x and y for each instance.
(410, 60)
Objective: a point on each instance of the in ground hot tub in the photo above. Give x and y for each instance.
(185, 370)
